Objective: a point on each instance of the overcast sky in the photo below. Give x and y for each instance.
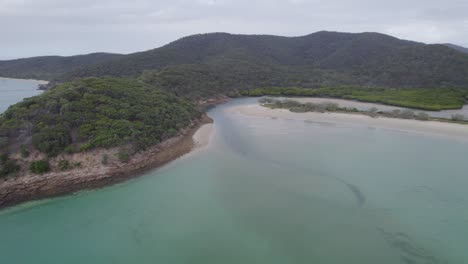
(67, 27)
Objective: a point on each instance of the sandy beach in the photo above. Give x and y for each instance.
(201, 138)
(26, 80)
(403, 125)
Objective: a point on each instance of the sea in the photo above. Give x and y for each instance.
(264, 191)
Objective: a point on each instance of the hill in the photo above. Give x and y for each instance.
(47, 67)
(322, 58)
(456, 47)
(86, 114)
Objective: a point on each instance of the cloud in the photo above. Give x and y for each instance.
(65, 27)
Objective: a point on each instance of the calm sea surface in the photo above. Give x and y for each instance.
(265, 191)
(13, 91)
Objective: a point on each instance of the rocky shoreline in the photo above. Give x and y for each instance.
(34, 187)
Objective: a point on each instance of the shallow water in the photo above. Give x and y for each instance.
(14, 90)
(265, 191)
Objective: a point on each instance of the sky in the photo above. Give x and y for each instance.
(68, 27)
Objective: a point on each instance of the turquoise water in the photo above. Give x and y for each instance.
(13, 91)
(265, 191)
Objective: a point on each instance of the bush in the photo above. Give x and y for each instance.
(7, 166)
(24, 151)
(422, 116)
(39, 167)
(458, 117)
(70, 149)
(85, 147)
(407, 114)
(124, 155)
(64, 165)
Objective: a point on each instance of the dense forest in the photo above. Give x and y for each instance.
(456, 47)
(238, 62)
(48, 67)
(91, 113)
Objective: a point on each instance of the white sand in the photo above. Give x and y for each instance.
(203, 135)
(404, 125)
(27, 80)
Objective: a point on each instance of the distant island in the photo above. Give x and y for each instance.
(106, 116)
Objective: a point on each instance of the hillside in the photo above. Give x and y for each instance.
(456, 47)
(87, 114)
(47, 67)
(322, 58)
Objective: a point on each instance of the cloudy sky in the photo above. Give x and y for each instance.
(67, 27)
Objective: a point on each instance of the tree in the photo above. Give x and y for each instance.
(39, 167)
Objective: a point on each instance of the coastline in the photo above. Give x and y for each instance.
(362, 105)
(31, 187)
(39, 82)
(435, 128)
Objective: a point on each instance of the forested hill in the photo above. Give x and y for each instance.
(89, 113)
(456, 47)
(201, 65)
(48, 67)
(322, 58)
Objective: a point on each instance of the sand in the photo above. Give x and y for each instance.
(202, 137)
(26, 80)
(403, 125)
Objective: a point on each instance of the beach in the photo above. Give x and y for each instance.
(39, 82)
(201, 138)
(402, 125)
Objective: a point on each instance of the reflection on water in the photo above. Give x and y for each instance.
(265, 191)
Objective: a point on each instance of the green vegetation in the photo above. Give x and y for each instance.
(93, 113)
(64, 165)
(7, 165)
(295, 106)
(39, 167)
(426, 99)
(48, 67)
(458, 117)
(24, 151)
(207, 64)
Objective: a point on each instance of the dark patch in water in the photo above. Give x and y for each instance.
(410, 254)
(361, 199)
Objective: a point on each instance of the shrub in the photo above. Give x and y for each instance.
(407, 114)
(70, 149)
(64, 165)
(124, 155)
(7, 166)
(39, 167)
(458, 117)
(24, 151)
(86, 147)
(422, 116)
